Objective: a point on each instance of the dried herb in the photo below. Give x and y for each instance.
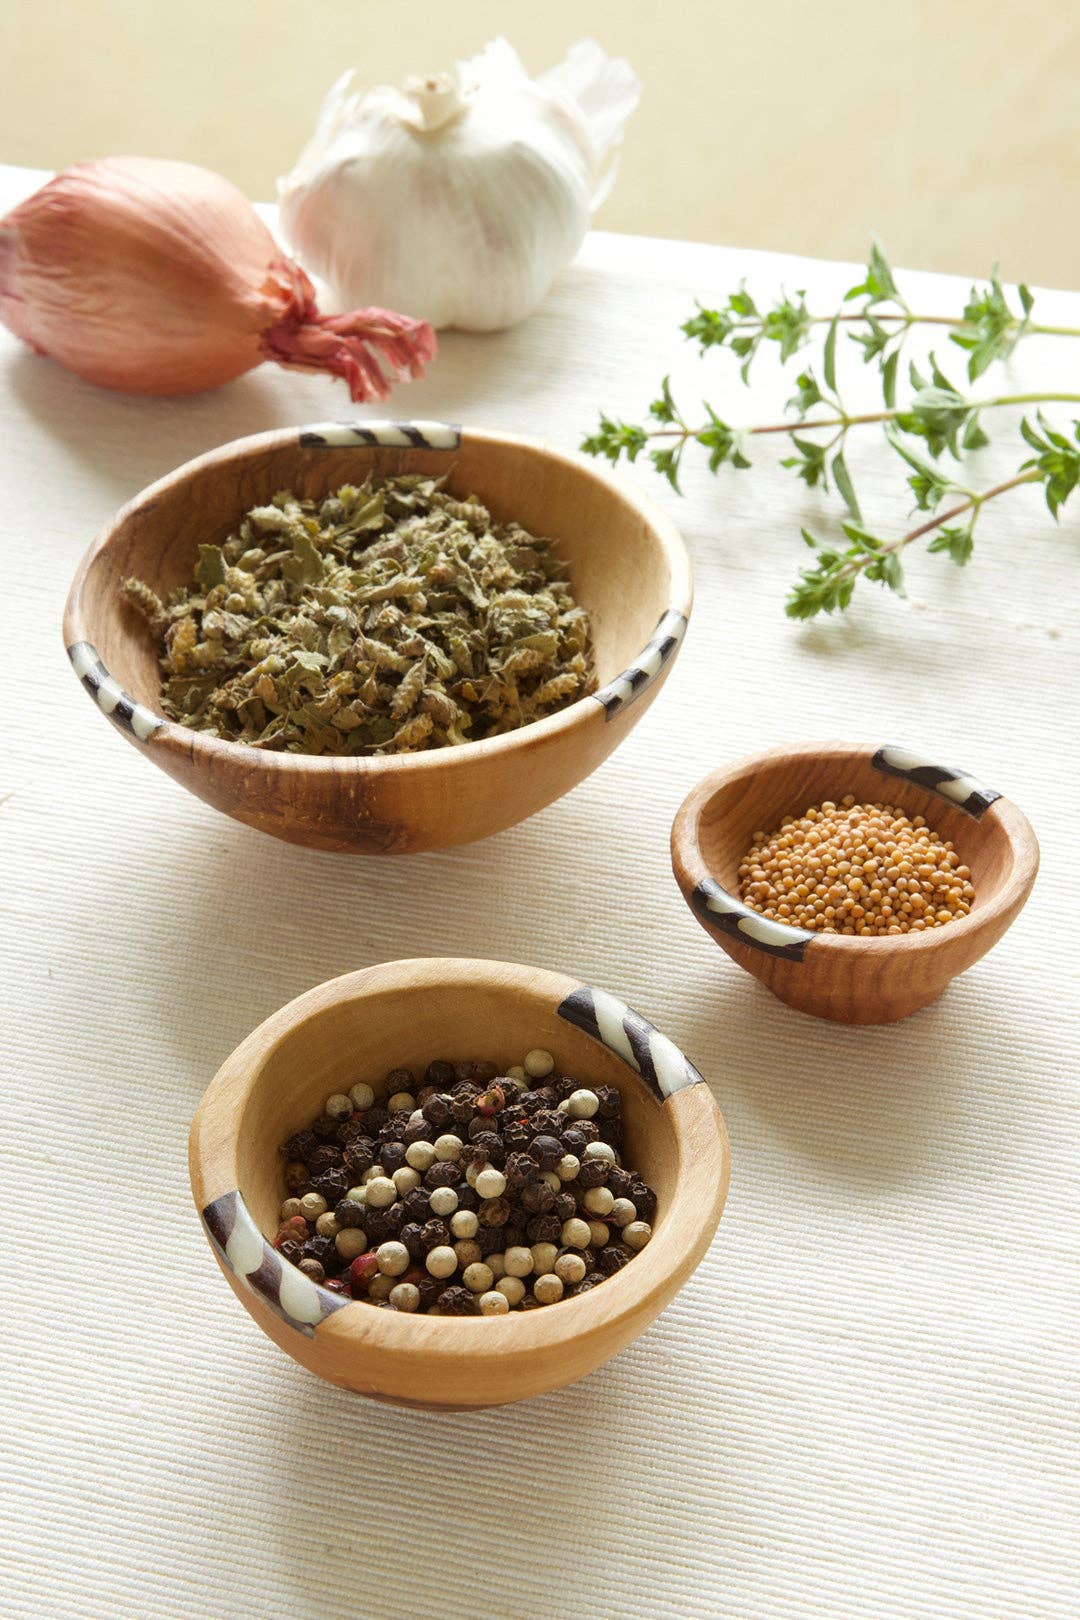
(386, 618)
(932, 429)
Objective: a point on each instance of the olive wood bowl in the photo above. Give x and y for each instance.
(357, 1028)
(851, 979)
(628, 569)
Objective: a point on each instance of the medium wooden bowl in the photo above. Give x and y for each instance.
(628, 567)
(358, 1027)
(853, 980)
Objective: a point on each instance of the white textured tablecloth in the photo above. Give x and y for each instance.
(865, 1401)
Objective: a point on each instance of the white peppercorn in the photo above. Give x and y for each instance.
(381, 1287)
(636, 1234)
(393, 1258)
(441, 1261)
(478, 1278)
(448, 1148)
(400, 1101)
(289, 1208)
(515, 1072)
(512, 1289)
(405, 1179)
(548, 1289)
(582, 1104)
(312, 1205)
(463, 1223)
(544, 1256)
(467, 1252)
(327, 1225)
(568, 1167)
(420, 1156)
(497, 1263)
(599, 1233)
(599, 1201)
(575, 1233)
(350, 1242)
(622, 1212)
(443, 1201)
(518, 1261)
(362, 1096)
(406, 1296)
(372, 1174)
(471, 1173)
(570, 1268)
(601, 1150)
(490, 1183)
(381, 1192)
(552, 1180)
(538, 1063)
(494, 1303)
(339, 1106)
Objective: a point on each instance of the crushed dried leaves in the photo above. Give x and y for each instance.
(386, 618)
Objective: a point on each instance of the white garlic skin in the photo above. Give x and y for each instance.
(459, 198)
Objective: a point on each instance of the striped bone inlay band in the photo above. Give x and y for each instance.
(643, 671)
(392, 435)
(110, 696)
(618, 1027)
(721, 910)
(963, 791)
(242, 1247)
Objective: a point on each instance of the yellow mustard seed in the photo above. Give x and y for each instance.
(848, 868)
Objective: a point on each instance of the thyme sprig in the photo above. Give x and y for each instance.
(934, 421)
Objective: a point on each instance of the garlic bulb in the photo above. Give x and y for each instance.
(461, 196)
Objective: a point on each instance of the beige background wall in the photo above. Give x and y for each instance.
(950, 126)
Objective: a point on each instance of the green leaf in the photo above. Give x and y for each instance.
(861, 540)
(808, 393)
(663, 409)
(845, 488)
(211, 567)
(958, 543)
(829, 357)
(888, 379)
(1027, 300)
(615, 439)
(973, 437)
(666, 463)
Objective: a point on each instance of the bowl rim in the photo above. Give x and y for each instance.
(200, 747)
(691, 869)
(702, 1174)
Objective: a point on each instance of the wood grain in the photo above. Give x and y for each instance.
(356, 1028)
(627, 564)
(849, 979)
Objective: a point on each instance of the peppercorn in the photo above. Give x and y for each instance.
(622, 1212)
(537, 1198)
(458, 1301)
(430, 1289)
(538, 1062)
(417, 1130)
(619, 1180)
(517, 1261)
(313, 1269)
(467, 1196)
(599, 1233)
(599, 1201)
(468, 1252)
(362, 1096)
(289, 1249)
(413, 1238)
(296, 1176)
(332, 1184)
(512, 1289)
(574, 1142)
(401, 1102)
(494, 1212)
(490, 1143)
(511, 1233)
(544, 1256)
(463, 1223)
(325, 1128)
(462, 1110)
(391, 1156)
(568, 1167)
(575, 1233)
(612, 1259)
(478, 1278)
(350, 1242)
(490, 1239)
(442, 1174)
(405, 1296)
(589, 1129)
(570, 1267)
(644, 1200)
(349, 1213)
(381, 1192)
(301, 1146)
(491, 1183)
(637, 1234)
(416, 1204)
(359, 1155)
(434, 1233)
(375, 1118)
(547, 1290)
(593, 1173)
(546, 1150)
(440, 1074)
(494, 1304)
(517, 1134)
(565, 1206)
(519, 1169)
(545, 1229)
(326, 1225)
(393, 1258)
(405, 1180)
(441, 1261)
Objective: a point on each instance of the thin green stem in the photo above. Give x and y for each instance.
(906, 318)
(805, 423)
(973, 503)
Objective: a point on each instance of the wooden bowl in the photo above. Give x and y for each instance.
(358, 1027)
(853, 980)
(628, 567)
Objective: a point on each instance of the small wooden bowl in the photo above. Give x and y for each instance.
(853, 980)
(628, 567)
(357, 1028)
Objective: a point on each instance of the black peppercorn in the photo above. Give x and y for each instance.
(619, 1180)
(417, 1131)
(532, 1102)
(301, 1146)
(537, 1197)
(609, 1100)
(593, 1173)
(291, 1251)
(325, 1128)
(513, 1235)
(440, 1073)
(395, 1218)
(321, 1249)
(416, 1204)
(412, 1236)
(494, 1211)
(612, 1259)
(490, 1239)
(517, 1134)
(565, 1206)
(349, 1213)
(442, 1174)
(377, 1226)
(395, 1128)
(399, 1080)
(375, 1118)
(324, 1158)
(462, 1110)
(467, 1197)
(549, 1122)
(530, 1304)
(458, 1301)
(430, 1289)
(296, 1177)
(519, 1169)
(479, 1125)
(546, 1150)
(490, 1144)
(644, 1200)
(589, 1129)
(544, 1229)
(434, 1233)
(359, 1155)
(392, 1157)
(573, 1142)
(483, 1072)
(437, 1111)
(332, 1185)
(589, 1283)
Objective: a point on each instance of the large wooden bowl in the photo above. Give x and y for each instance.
(407, 1013)
(628, 568)
(851, 979)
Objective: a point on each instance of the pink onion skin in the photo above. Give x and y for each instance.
(158, 277)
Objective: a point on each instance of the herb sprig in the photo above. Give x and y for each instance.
(931, 430)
